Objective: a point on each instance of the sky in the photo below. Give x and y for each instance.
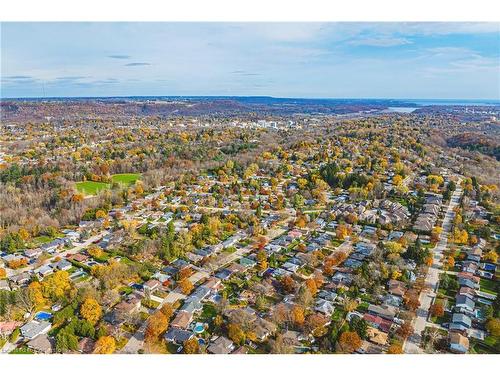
(308, 60)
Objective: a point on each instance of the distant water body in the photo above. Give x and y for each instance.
(424, 102)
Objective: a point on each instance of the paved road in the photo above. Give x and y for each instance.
(412, 345)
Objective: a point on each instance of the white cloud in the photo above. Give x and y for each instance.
(380, 42)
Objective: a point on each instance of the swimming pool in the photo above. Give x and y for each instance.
(199, 328)
(43, 315)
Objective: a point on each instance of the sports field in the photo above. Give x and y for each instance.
(92, 187)
(126, 178)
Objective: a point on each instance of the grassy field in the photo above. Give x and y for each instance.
(126, 178)
(91, 187)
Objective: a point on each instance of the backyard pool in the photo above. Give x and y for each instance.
(199, 328)
(42, 315)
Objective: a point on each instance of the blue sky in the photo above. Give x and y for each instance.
(323, 60)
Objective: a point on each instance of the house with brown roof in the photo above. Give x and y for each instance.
(182, 320)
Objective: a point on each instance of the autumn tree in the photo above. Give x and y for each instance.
(437, 309)
(105, 345)
(57, 285)
(297, 315)
(157, 325)
(311, 285)
(288, 284)
(191, 346)
(405, 330)
(395, 349)
(186, 286)
(349, 342)
(262, 260)
(91, 310)
(235, 333)
(36, 294)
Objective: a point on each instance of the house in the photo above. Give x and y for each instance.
(182, 320)
(460, 322)
(80, 258)
(376, 336)
(467, 283)
(221, 345)
(122, 309)
(378, 322)
(44, 271)
(458, 343)
(465, 291)
(151, 285)
(21, 279)
(178, 336)
(324, 306)
(34, 328)
(41, 344)
(33, 253)
(6, 328)
(86, 345)
(397, 288)
(63, 265)
(384, 311)
(293, 338)
(465, 303)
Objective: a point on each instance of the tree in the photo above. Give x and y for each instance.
(91, 310)
(3, 273)
(262, 260)
(186, 286)
(311, 285)
(35, 293)
(411, 300)
(66, 340)
(491, 256)
(298, 315)
(405, 330)
(437, 309)
(395, 349)
(57, 285)
(493, 327)
(105, 345)
(349, 342)
(236, 334)
(156, 326)
(359, 326)
(450, 262)
(95, 251)
(191, 346)
(288, 284)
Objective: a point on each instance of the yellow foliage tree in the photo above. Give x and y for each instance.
(105, 345)
(91, 310)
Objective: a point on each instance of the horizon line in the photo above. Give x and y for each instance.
(245, 96)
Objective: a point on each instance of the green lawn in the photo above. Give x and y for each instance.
(91, 187)
(126, 178)
(488, 286)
